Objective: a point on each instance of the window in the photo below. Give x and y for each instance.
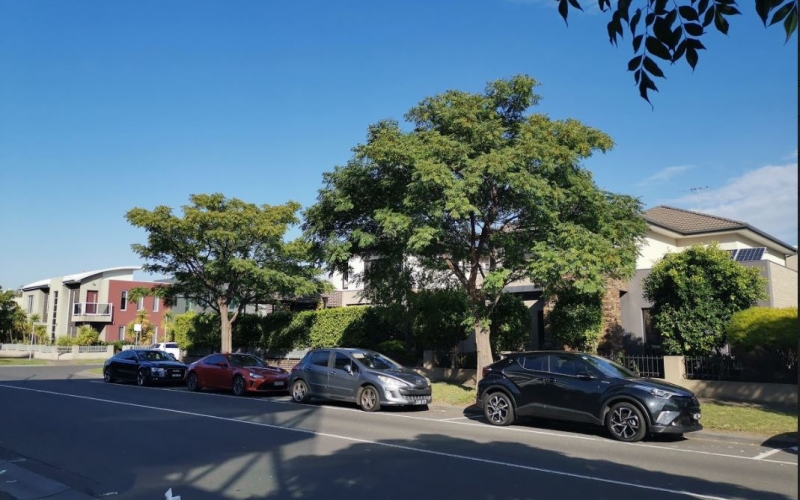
(128, 355)
(320, 358)
(535, 362)
(345, 279)
(155, 333)
(341, 361)
(140, 304)
(564, 364)
(123, 305)
(122, 333)
(171, 346)
(30, 304)
(213, 360)
(155, 304)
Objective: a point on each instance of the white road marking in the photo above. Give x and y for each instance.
(772, 452)
(377, 443)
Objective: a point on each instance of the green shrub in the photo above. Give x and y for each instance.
(64, 341)
(765, 340)
(439, 318)
(576, 320)
(398, 351)
(511, 324)
(87, 336)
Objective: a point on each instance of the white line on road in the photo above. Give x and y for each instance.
(377, 443)
(772, 452)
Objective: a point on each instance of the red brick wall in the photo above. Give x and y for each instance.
(122, 318)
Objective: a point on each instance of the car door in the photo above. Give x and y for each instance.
(529, 373)
(576, 388)
(126, 365)
(210, 373)
(342, 383)
(315, 372)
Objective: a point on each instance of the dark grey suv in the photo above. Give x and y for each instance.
(361, 376)
(585, 388)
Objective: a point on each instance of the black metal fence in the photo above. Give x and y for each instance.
(712, 368)
(642, 365)
(750, 367)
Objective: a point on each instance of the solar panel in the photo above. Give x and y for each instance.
(732, 252)
(750, 254)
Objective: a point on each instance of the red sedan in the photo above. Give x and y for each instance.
(241, 373)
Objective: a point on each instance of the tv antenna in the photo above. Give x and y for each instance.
(696, 191)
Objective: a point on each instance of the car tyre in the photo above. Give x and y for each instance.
(498, 409)
(369, 399)
(626, 423)
(300, 392)
(239, 386)
(107, 376)
(192, 383)
(141, 379)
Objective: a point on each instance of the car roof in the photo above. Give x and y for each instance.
(551, 351)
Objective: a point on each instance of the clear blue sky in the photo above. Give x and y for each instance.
(109, 105)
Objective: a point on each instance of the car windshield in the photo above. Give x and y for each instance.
(243, 360)
(154, 356)
(608, 367)
(376, 361)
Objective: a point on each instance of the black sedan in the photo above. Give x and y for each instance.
(585, 388)
(143, 366)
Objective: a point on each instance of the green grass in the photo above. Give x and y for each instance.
(89, 361)
(21, 362)
(734, 417)
(452, 394)
(96, 371)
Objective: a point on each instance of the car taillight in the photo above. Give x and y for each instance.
(486, 370)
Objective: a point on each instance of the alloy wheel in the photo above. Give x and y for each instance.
(299, 391)
(107, 376)
(141, 378)
(624, 423)
(238, 386)
(191, 382)
(497, 409)
(369, 399)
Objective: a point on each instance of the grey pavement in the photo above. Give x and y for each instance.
(104, 439)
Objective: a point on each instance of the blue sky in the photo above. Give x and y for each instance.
(107, 105)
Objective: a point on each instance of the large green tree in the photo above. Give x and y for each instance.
(694, 295)
(225, 254)
(667, 31)
(9, 315)
(482, 191)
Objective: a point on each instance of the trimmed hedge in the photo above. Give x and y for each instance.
(764, 340)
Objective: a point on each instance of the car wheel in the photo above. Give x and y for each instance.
(107, 376)
(141, 379)
(626, 423)
(368, 399)
(498, 409)
(300, 392)
(192, 383)
(239, 388)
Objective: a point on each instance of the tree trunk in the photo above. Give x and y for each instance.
(226, 329)
(484, 347)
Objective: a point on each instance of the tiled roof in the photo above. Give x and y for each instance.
(687, 222)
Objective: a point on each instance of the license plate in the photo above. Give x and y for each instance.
(279, 384)
(176, 375)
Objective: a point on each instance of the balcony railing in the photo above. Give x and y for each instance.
(91, 309)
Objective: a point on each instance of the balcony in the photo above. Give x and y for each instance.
(92, 312)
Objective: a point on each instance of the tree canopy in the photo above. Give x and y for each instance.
(481, 192)
(695, 293)
(225, 254)
(671, 31)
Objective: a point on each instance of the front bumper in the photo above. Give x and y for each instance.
(272, 385)
(406, 397)
(168, 375)
(677, 416)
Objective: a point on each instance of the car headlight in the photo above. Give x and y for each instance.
(256, 375)
(391, 382)
(654, 391)
(157, 371)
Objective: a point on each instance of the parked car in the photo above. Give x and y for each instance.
(143, 366)
(585, 388)
(361, 376)
(170, 347)
(241, 373)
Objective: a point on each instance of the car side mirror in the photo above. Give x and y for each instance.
(348, 369)
(585, 375)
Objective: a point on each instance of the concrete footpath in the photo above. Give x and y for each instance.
(18, 483)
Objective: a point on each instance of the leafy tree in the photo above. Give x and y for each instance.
(511, 324)
(482, 191)
(439, 318)
(576, 320)
(145, 336)
(87, 336)
(9, 314)
(695, 293)
(766, 339)
(671, 31)
(225, 254)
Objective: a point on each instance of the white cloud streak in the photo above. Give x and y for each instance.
(664, 175)
(765, 198)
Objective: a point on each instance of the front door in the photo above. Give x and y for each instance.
(342, 384)
(530, 375)
(571, 395)
(316, 373)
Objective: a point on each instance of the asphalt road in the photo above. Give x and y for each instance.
(122, 441)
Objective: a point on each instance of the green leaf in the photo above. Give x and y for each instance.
(648, 20)
(563, 9)
(645, 85)
(729, 10)
(637, 42)
(575, 4)
(662, 29)
(782, 13)
(763, 8)
(637, 75)
(635, 63)
(693, 29)
(679, 52)
(612, 33)
(695, 44)
(653, 68)
(691, 57)
(676, 36)
(702, 6)
(790, 24)
(721, 23)
(709, 17)
(658, 49)
(661, 6)
(636, 17)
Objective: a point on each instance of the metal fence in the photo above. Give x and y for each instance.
(712, 368)
(92, 348)
(644, 366)
(28, 347)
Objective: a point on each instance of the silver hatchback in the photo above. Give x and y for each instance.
(360, 376)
